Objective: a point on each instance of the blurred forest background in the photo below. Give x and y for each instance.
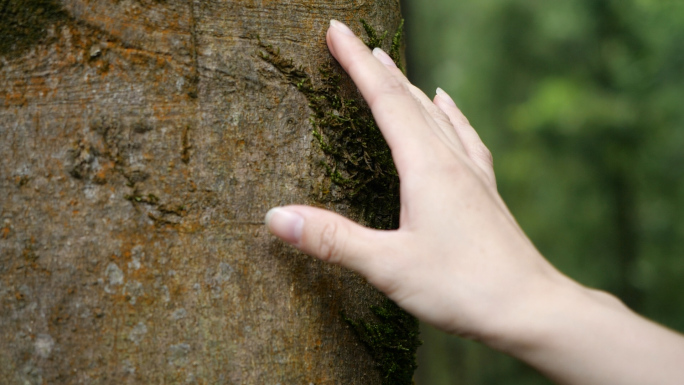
(582, 105)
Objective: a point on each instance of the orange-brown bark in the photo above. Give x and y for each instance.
(142, 143)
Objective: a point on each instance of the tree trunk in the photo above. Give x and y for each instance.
(142, 143)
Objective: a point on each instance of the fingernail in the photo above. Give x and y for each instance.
(341, 27)
(445, 96)
(383, 57)
(285, 224)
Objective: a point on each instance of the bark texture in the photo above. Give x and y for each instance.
(142, 142)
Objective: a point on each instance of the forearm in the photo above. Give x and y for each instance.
(586, 337)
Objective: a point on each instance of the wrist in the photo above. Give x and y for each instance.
(539, 320)
(576, 335)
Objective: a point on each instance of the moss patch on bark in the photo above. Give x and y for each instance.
(391, 337)
(24, 23)
(373, 40)
(359, 162)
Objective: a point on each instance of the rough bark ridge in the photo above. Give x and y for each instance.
(142, 143)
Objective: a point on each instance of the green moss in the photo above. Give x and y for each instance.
(359, 162)
(395, 49)
(375, 40)
(392, 339)
(150, 199)
(24, 23)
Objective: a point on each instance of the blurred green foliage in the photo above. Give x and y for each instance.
(582, 105)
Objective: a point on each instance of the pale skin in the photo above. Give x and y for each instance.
(459, 260)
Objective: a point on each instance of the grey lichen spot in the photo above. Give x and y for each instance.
(180, 82)
(178, 354)
(138, 252)
(179, 314)
(128, 367)
(191, 379)
(31, 375)
(166, 295)
(134, 264)
(133, 290)
(216, 278)
(44, 344)
(138, 333)
(114, 275)
(224, 272)
(137, 255)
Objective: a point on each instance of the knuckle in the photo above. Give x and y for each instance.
(388, 89)
(435, 112)
(392, 85)
(482, 153)
(329, 245)
(441, 118)
(415, 90)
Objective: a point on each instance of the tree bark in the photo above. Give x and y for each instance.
(142, 143)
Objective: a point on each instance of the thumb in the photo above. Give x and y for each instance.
(325, 235)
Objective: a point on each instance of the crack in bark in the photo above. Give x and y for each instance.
(185, 145)
(194, 77)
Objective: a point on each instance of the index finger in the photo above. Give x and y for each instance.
(398, 114)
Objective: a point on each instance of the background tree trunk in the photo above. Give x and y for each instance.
(142, 143)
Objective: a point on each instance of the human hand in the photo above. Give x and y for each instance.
(458, 260)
